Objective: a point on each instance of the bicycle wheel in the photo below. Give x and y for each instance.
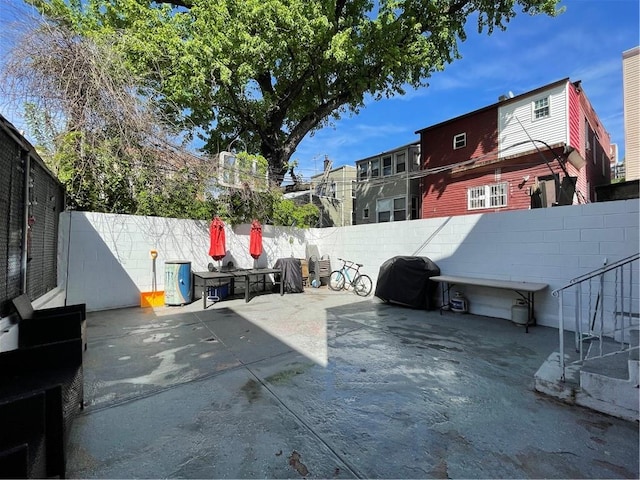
(336, 280)
(362, 285)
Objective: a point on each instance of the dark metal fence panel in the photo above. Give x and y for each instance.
(12, 208)
(44, 200)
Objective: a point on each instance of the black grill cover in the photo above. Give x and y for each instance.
(405, 280)
(291, 274)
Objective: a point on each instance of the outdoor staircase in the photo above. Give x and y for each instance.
(601, 371)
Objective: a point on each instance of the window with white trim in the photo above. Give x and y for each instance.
(228, 163)
(391, 209)
(399, 209)
(386, 166)
(414, 207)
(363, 170)
(375, 168)
(541, 108)
(383, 210)
(459, 140)
(401, 162)
(487, 196)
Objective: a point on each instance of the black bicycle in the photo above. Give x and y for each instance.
(342, 279)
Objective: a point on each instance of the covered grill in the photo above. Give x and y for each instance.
(405, 280)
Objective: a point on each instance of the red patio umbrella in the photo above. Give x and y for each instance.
(217, 248)
(255, 240)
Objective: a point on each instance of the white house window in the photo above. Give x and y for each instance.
(541, 108)
(375, 168)
(498, 195)
(391, 209)
(399, 209)
(353, 189)
(386, 165)
(363, 170)
(228, 168)
(487, 196)
(383, 208)
(459, 141)
(401, 162)
(333, 191)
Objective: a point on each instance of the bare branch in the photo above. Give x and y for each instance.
(81, 88)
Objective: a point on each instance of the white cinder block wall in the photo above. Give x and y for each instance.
(104, 259)
(551, 245)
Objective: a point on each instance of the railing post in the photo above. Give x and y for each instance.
(621, 269)
(629, 309)
(578, 335)
(601, 297)
(561, 333)
(593, 313)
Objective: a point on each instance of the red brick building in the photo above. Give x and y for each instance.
(543, 148)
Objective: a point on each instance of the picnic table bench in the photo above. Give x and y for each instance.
(526, 290)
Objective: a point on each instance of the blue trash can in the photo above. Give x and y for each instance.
(177, 282)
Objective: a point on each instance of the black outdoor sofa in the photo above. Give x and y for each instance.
(41, 392)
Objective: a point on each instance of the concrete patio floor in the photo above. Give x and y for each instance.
(329, 385)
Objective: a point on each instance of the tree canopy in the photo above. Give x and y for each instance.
(272, 71)
(114, 152)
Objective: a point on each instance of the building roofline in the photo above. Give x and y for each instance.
(12, 131)
(341, 167)
(391, 150)
(631, 52)
(25, 145)
(495, 105)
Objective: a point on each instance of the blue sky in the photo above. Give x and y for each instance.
(584, 43)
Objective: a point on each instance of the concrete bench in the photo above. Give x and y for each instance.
(526, 290)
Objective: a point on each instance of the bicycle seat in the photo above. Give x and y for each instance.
(359, 265)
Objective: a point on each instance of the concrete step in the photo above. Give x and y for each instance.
(603, 386)
(634, 344)
(608, 384)
(548, 379)
(614, 364)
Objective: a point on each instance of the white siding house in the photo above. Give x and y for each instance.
(540, 116)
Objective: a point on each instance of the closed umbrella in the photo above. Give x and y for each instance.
(217, 248)
(255, 240)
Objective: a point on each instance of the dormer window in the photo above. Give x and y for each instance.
(459, 141)
(541, 108)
